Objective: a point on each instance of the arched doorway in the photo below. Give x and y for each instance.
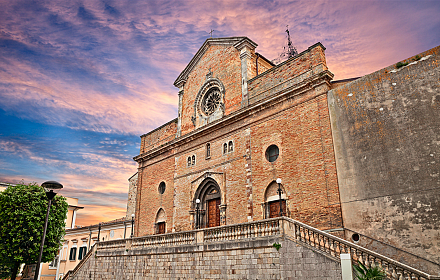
(160, 223)
(207, 213)
(272, 201)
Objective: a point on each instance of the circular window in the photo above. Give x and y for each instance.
(272, 153)
(161, 188)
(355, 237)
(211, 101)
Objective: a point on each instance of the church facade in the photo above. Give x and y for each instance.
(254, 140)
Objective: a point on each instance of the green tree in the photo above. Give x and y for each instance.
(22, 215)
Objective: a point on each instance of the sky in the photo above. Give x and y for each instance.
(80, 81)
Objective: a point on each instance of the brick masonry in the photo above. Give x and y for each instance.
(292, 114)
(256, 259)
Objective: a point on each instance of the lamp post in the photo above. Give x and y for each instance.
(132, 225)
(280, 191)
(99, 231)
(197, 213)
(50, 194)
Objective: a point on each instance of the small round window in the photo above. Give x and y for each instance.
(272, 153)
(161, 187)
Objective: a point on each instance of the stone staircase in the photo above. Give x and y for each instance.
(240, 251)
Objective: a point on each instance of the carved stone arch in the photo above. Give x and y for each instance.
(208, 212)
(199, 117)
(160, 221)
(271, 205)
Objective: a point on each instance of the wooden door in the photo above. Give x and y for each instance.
(214, 212)
(161, 228)
(274, 208)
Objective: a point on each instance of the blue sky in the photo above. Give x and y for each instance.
(80, 81)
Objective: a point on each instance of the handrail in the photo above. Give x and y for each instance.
(334, 246)
(316, 239)
(408, 257)
(72, 273)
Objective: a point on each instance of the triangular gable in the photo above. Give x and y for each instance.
(210, 42)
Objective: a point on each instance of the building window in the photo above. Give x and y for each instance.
(211, 101)
(189, 161)
(272, 153)
(72, 255)
(82, 252)
(208, 150)
(162, 187)
(228, 147)
(193, 160)
(54, 263)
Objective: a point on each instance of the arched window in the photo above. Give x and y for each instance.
(225, 148)
(193, 160)
(189, 161)
(208, 150)
(274, 207)
(231, 146)
(160, 224)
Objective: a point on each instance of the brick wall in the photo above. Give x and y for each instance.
(150, 201)
(288, 73)
(159, 136)
(296, 120)
(224, 63)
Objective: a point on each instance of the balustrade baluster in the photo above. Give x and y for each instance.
(394, 274)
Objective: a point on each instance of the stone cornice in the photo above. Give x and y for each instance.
(232, 41)
(246, 42)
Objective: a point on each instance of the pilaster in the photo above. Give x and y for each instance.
(179, 117)
(246, 47)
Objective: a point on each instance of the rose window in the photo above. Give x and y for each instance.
(211, 101)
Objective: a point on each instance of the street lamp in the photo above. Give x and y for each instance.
(49, 186)
(197, 213)
(280, 191)
(99, 231)
(132, 225)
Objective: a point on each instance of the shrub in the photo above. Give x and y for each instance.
(371, 273)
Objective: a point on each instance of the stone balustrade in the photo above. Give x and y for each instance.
(334, 246)
(296, 231)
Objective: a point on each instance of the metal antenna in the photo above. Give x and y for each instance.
(291, 50)
(211, 32)
(288, 51)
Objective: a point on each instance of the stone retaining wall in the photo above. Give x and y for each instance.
(251, 259)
